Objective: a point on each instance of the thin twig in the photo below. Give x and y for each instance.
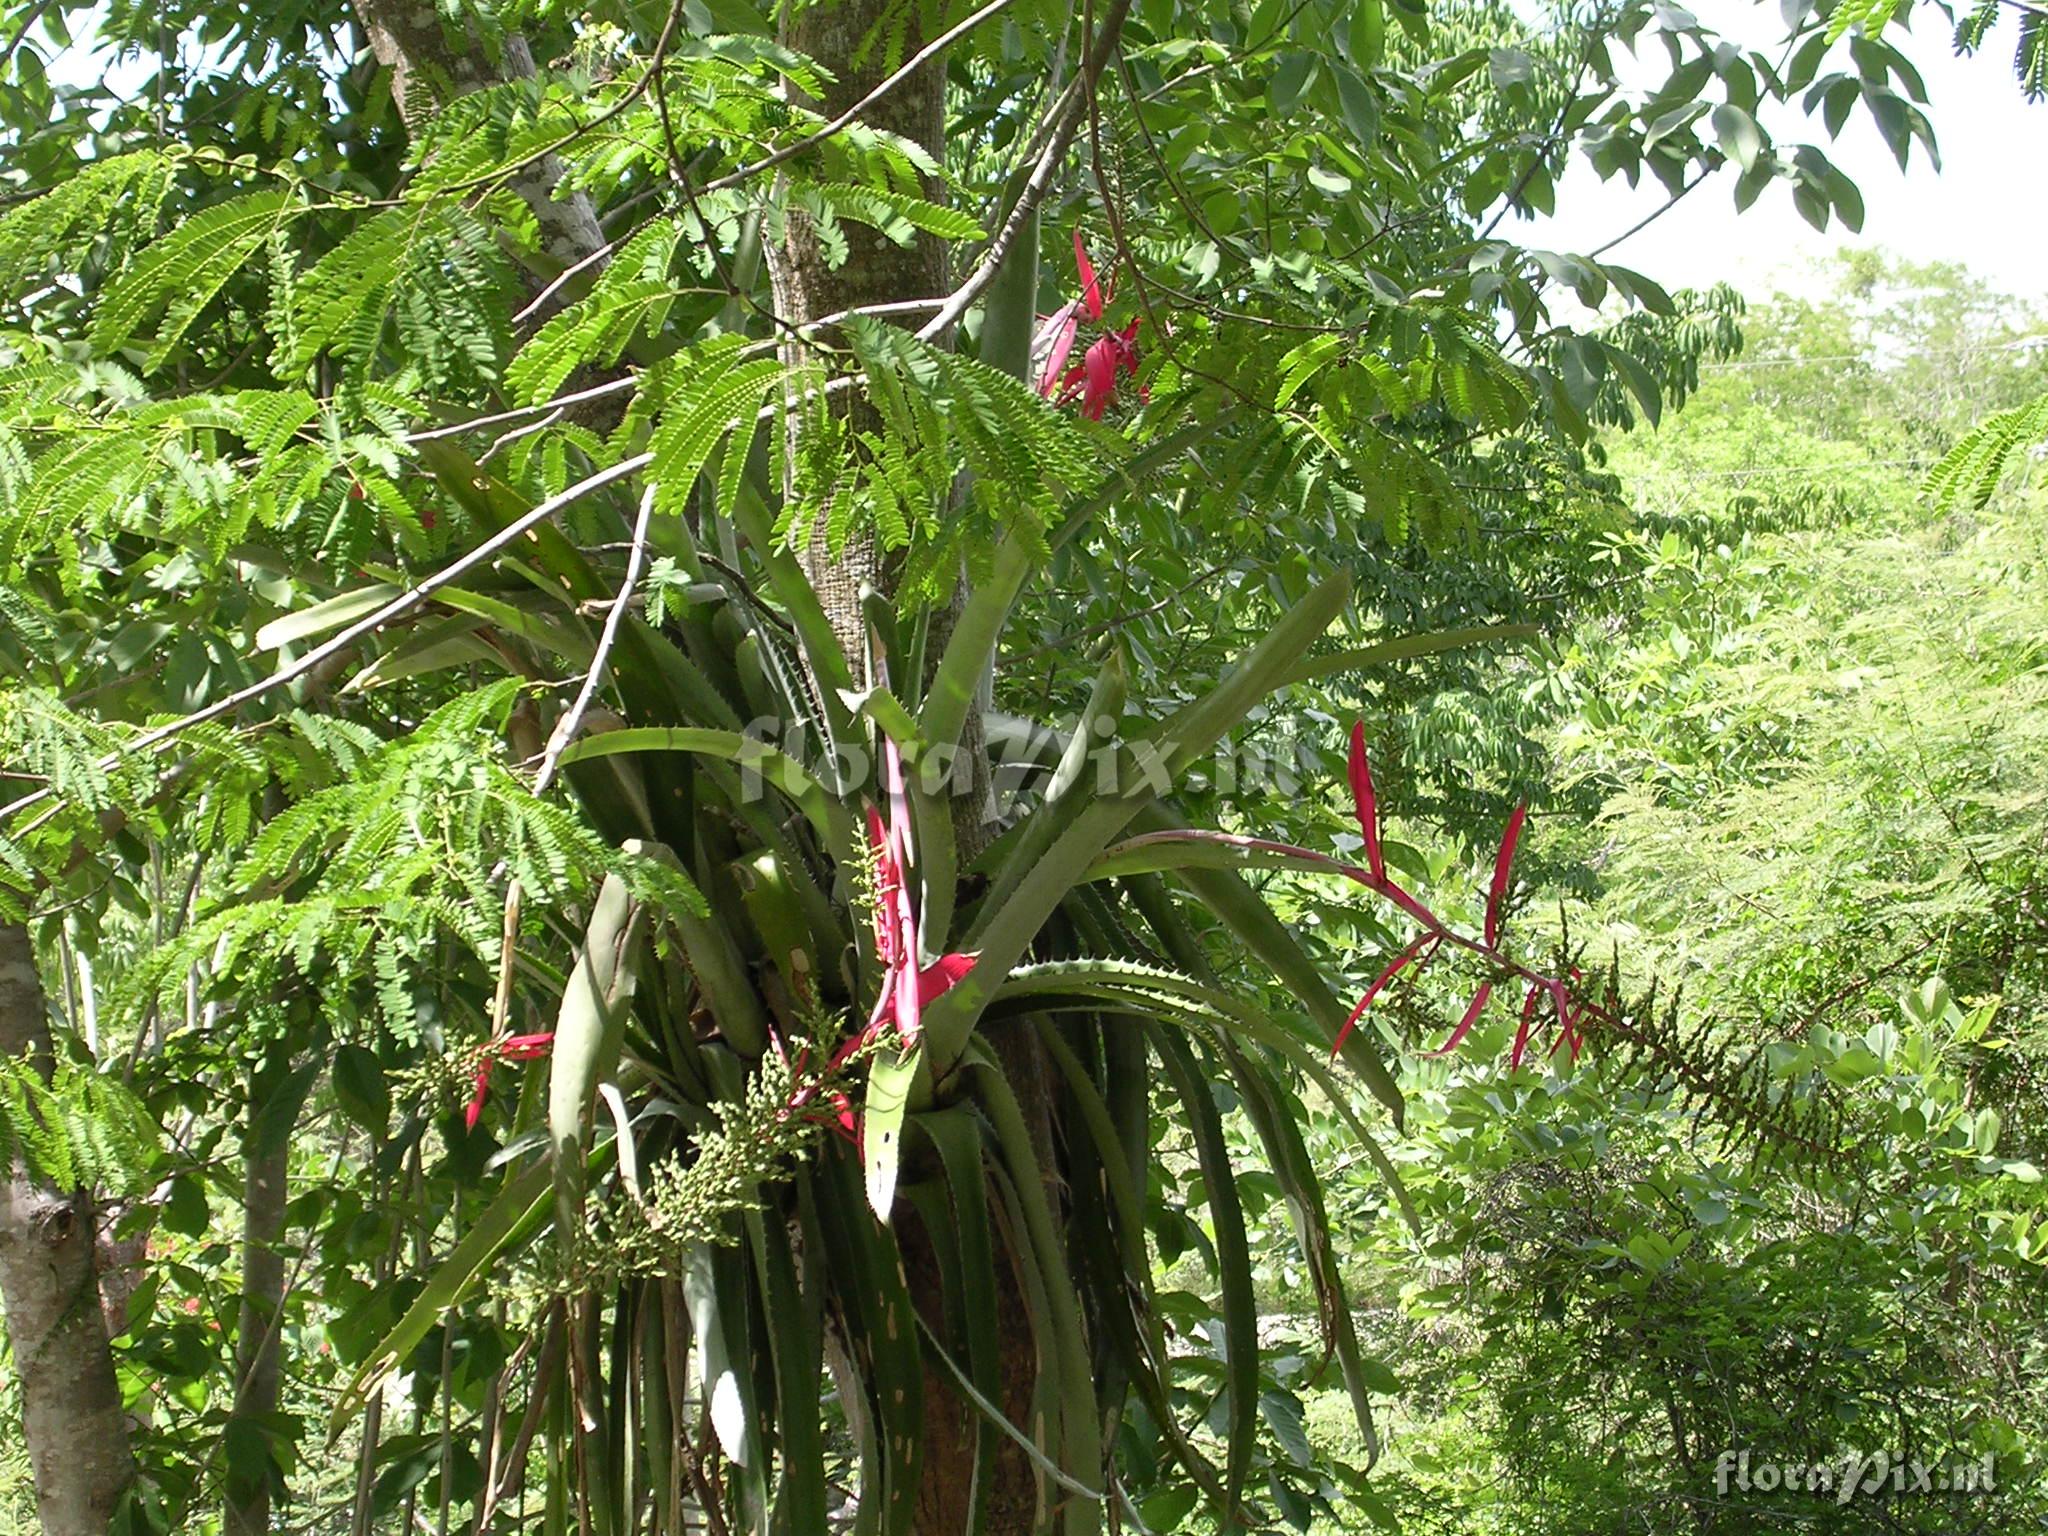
(516, 433)
(840, 123)
(1068, 110)
(517, 413)
(1647, 219)
(572, 722)
(558, 743)
(28, 25)
(631, 380)
(633, 94)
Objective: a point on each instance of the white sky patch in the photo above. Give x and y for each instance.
(1982, 209)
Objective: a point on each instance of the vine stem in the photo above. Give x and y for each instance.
(565, 733)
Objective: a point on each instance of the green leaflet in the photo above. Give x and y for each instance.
(896, 215)
(1970, 472)
(81, 1127)
(890, 1075)
(596, 330)
(718, 396)
(436, 272)
(588, 1032)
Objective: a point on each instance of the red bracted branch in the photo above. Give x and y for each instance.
(505, 1048)
(1434, 934)
(1572, 1010)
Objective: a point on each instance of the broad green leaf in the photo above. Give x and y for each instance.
(890, 1074)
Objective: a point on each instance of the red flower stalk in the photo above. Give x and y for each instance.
(1435, 933)
(1112, 356)
(908, 987)
(506, 1048)
(1472, 1011)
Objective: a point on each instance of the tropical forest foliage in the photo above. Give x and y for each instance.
(901, 768)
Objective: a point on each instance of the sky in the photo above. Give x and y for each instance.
(1983, 208)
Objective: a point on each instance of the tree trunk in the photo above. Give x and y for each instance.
(879, 271)
(259, 1344)
(876, 271)
(409, 38)
(70, 1400)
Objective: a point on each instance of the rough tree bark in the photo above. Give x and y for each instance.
(876, 271)
(71, 1402)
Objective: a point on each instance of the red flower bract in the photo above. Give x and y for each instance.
(1503, 870)
(1365, 801)
(896, 943)
(506, 1048)
(1112, 356)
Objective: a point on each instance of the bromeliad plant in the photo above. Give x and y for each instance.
(985, 1028)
